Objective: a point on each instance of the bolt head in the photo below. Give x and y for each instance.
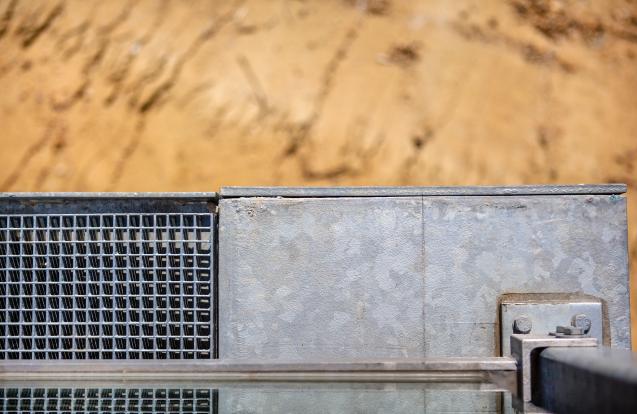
(522, 325)
(581, 321)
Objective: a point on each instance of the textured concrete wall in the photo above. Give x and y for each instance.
(332, 278)
(171, 95)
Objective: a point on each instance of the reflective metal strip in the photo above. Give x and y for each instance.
(431, 369)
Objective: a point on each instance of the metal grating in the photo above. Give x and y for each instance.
(107, 400)
(106, 286)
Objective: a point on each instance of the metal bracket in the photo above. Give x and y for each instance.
(525, 347)
(539, 314)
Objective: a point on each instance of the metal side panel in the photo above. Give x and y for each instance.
(384, 277)
(478, 248)
(321, 279)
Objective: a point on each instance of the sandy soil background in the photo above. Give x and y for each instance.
(191, 95)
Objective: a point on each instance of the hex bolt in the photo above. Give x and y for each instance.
(522, 325)
(582, 321)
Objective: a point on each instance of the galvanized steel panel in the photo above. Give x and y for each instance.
(478, 248)
(321, 279)
(370, 277)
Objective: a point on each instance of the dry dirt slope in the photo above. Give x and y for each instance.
(171, 95)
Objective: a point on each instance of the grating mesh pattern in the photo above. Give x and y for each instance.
(106, 286)
(107, 400)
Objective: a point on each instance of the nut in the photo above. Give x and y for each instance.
(582, 321)
(522, 325)
(568, 332)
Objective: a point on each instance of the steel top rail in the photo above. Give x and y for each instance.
(301, 192)
(298, 192)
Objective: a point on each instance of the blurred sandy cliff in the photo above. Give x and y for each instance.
(187, 96)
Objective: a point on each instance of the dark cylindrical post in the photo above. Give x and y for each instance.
(586, 380)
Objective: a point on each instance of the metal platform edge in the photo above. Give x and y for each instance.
(65, 196)
(521, 190)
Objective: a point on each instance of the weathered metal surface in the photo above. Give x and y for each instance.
(301, 192)
(575, 381)
(382, 277)
(545, 315)
(478, 248)
(321, 279)
(523, 348)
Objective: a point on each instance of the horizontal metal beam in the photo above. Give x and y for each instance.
(301, 192)
(431, 369)
(425, 376)
(164, 383)
(586, 380)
